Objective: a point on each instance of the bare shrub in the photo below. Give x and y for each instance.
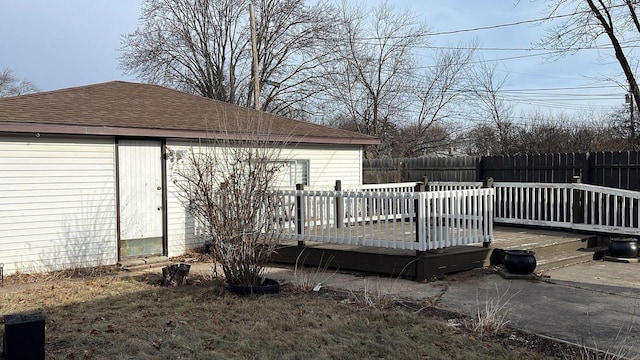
(373, 296)
(491, 317)
(228, 187)
(311, 279)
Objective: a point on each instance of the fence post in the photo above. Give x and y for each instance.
(420, 254)
(585, 168)
(577, 206)
(299, 214)
(339, 204)
(425, 182)
(487, 184)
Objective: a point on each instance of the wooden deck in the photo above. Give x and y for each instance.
(425, 265)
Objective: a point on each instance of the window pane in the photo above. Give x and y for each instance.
(302, 171)
(292, 172)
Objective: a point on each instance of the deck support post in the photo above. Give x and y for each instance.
(487, 184)
(420, 266)
(339, 204)
(299, 215)
(577, 206)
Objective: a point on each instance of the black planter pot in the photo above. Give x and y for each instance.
(269, 286)
(623, 247)
(521, 262)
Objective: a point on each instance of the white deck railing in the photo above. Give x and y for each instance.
(398, 220)
(453, 185)
(391, 187)
(534, 204)
(608, 210)
(574, 206)
(431, 186)
(381, 216)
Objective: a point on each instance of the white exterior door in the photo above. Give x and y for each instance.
(140, 193)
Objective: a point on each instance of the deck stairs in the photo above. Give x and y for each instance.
(552, 249)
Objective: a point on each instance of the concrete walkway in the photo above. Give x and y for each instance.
(595, 304)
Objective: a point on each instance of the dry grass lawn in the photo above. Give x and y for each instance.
(111, 317)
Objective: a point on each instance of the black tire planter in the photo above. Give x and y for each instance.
(520, 262)
(623, 247)
(269, 286)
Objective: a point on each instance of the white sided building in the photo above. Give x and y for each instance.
(85, 173)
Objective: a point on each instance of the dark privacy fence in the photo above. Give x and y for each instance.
(611, 169)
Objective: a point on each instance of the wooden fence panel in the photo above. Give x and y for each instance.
(457, 168)
(538, 168)
(615, 169)
(611, 169)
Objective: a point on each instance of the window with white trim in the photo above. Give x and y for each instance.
(293, 172)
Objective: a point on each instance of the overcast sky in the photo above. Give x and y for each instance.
(59, 44)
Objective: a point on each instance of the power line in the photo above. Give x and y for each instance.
(496, 26)
(566, 88)
(481, 48)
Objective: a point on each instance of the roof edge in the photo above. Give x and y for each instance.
(39, 128)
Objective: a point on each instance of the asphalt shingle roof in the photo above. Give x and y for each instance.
(131, 109)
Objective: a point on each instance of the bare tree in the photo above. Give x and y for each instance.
(620, 123)
(591, 20)
(203, 47)
(545, 134)
(482, 140)
(486, 87)
(370, 78)
(10, 85)
(440, 91)
(413, 140)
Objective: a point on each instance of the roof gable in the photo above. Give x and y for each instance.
(123, 108)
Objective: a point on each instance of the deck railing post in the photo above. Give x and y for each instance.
(425, 181)
(578, 203)
(419, 187)
(420, 254)
(339, 206)
(486, 184)
(299, 214)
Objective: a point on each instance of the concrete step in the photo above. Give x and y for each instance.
(561, 247)
(553, 248)
(143, 263)
(549, 262)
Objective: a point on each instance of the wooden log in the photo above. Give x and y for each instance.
(175, 274)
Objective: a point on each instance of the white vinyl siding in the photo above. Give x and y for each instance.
(326, 164)
(57, 203)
